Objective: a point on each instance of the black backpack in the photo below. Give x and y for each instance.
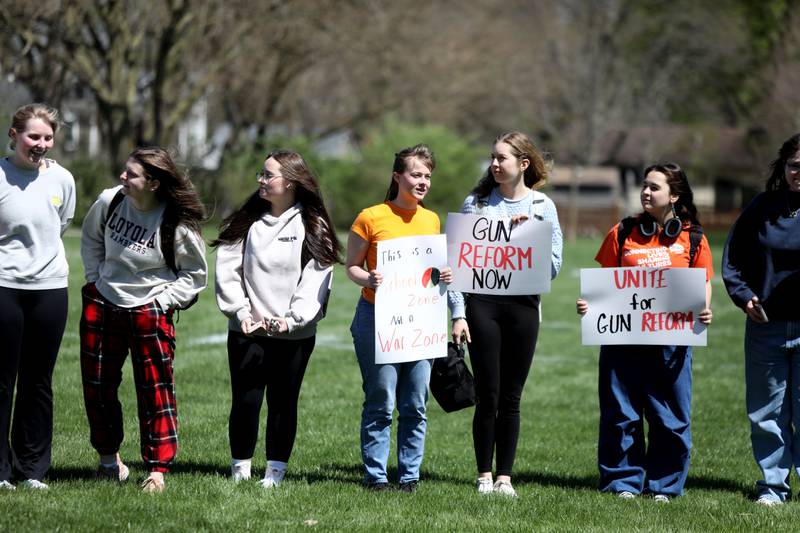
(168, 224)
(625, 228)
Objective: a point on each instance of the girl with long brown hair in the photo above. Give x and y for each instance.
(274, 268)
(144, 257)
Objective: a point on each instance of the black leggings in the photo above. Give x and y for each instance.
(504, 332)
(277, 365)
(31, 326)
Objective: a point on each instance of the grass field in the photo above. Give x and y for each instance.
(555, 472)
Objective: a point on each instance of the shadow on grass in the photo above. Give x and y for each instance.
(555, 480)
(722, 484)
(73, 473)
(705, 483)
(354, 473)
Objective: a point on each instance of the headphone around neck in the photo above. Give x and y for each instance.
(648, 226)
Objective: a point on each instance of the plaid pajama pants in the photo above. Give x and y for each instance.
(107, 333)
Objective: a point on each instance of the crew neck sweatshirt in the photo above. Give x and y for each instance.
(121, 254)
(36, 206)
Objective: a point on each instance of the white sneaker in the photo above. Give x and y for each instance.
(505, 488)
(34, 484)
(484, 485)
(240, 471)
(626, 495)
(5, 485)
(273, 478)
(766, 501)
(661, 498)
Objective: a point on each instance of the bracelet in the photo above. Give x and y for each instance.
(457, 318)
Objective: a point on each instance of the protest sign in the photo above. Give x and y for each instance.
(643, 306)
(490, 256)
(411, 303)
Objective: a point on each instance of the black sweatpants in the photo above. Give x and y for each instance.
(256, 364)
(32, 323)
(504, 330)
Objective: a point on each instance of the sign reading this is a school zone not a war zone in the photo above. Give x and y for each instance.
(492, 256)
(643, 306)
(411, 303)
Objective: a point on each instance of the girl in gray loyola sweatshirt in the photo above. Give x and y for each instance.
(273, 275)
(144, 257)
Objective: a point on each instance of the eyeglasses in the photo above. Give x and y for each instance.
(267, 177)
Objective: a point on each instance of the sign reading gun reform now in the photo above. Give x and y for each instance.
(490, 256)
(643, 306)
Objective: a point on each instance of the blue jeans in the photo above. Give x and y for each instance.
(772, 378)
(654, 382)
(408, 383)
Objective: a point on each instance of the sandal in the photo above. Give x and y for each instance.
(153, 483)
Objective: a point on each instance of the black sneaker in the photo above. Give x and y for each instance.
(409, 486)
(377, 487)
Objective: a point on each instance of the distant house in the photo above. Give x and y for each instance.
(589, 199)
(726, 166)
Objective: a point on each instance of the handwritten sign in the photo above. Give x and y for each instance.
(411, 303)
(643, 306)
(490, 256)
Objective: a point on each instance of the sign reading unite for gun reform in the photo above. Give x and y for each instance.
(643, 306)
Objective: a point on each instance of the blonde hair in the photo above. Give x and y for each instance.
(30, 111)
(535, 175)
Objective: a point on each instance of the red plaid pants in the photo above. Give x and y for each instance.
(107, 333)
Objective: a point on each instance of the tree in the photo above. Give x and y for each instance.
(139, 60)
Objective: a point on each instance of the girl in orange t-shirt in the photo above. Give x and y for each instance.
(401, 215)
(650, 382)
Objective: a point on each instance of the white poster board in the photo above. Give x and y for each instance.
(490, 256)
(643, 306)
(411, 303)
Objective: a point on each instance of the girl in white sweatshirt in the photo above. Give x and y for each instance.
(37, 201)
(273, 275)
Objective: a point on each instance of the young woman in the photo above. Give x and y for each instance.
(761, 269)
(273, 276)
(405, 384)
(502, 330)
(144, 257)
(650, 381)
(37, 202)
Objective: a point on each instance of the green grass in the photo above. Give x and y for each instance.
(555, 472)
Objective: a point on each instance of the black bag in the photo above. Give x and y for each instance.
(451, 381)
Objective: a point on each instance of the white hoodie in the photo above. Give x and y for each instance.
(262, 277)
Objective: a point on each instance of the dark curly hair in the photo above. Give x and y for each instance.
(777, 177)
(678, 186)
